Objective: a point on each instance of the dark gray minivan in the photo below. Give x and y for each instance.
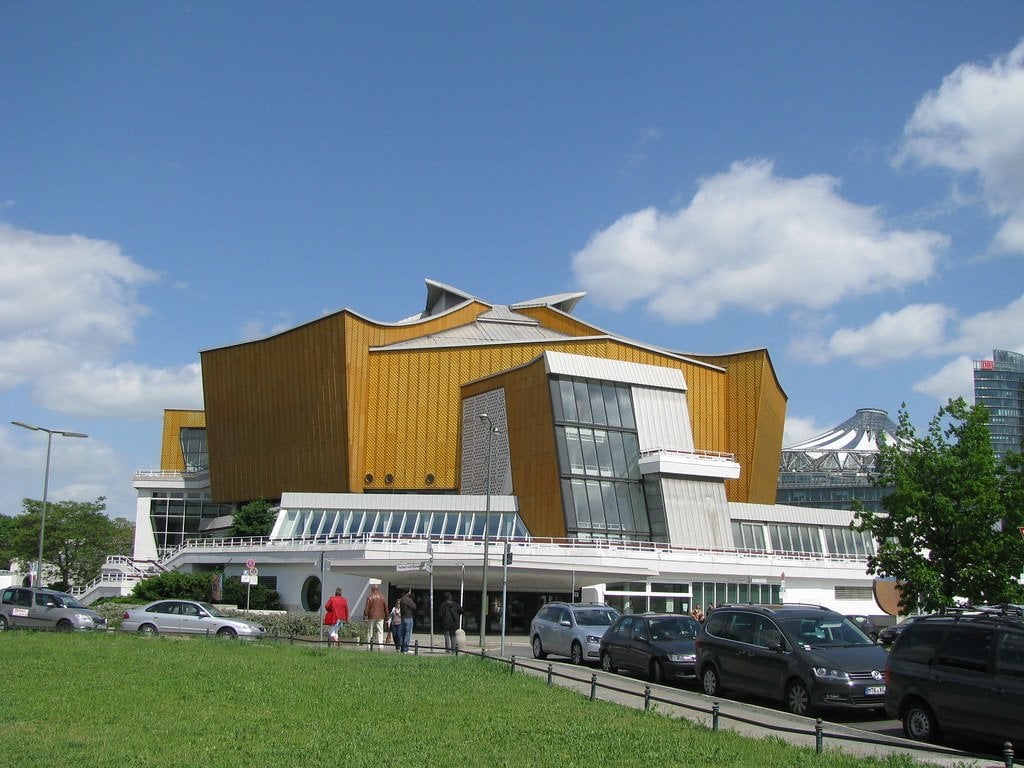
(808, 657)
(960, 673)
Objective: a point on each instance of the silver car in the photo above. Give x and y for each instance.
(188, 617)
(31, 608)
(571, 629)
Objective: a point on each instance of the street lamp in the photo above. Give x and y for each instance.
(491, 429)
(46, 483)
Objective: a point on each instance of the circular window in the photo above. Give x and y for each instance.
(311, 593)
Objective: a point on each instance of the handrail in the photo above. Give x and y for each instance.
(561, 543)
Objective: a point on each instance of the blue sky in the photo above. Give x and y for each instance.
(842, 183)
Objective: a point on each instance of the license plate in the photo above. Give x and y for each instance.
(874, 690)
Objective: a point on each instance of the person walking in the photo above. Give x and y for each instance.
(374, 613)
(395, 623)
(407, 605)
(335, 617)
(450, 612)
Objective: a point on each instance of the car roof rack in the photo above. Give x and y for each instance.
(1010, 612)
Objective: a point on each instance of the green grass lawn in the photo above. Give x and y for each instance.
(121, 700)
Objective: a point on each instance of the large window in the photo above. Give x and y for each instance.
(193, 448)
(598, 457)
(177, 517)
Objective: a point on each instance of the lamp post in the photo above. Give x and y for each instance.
(46, 483)
(491, 429)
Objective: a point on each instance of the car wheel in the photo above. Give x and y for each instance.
(657, 672)
(538, 649)
(798, 699)
(148, 630)
(709, 679)
(606, 662)
(64, 626)
(920, 724)
(3, 623)
(576, 653)
(227, 632)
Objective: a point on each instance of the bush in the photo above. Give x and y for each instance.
(185, 586)
(257, 596)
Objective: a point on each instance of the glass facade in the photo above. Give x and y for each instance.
(999, 386)
(179, 515)
(340, 523)
(193, 449)
(788, 538)
(639, 597)
(598, 460)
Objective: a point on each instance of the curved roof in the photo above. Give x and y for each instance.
(858, 433)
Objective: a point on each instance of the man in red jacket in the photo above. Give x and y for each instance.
(335, 617)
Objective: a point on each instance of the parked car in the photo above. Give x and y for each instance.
(189, 617)
(808, 657)
(571, 629)
(32, 608)
(960, 673)
(866, 625)
(659, 645)
(887, 635)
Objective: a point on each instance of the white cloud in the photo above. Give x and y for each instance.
(64, 300)
(754, 240)
(1000, 328)
(800, 428)
(918, 329)
(955, 379)
(973, 124)
(126, 391)
(263, 326)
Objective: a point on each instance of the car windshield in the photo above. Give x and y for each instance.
(825, 631)
(212, 611)
(68, 601)
(596, 617)
(674, 628)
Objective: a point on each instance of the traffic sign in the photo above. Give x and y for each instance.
(250, 563)
(408, 566)
(253, 571)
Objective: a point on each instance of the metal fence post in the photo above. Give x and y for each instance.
(1008, 754)
(714, 716)
(819, 736)
(512, 666)
(593, 686)
(647, 698)
(549, 673)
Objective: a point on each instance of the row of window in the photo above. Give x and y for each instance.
(580, 401)
(330, 523)
(803, 539)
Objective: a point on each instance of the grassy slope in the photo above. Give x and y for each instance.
(117, 700)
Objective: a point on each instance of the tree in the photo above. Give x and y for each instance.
(253, 519)
(6, 533)
(77, 539)
(949, 529)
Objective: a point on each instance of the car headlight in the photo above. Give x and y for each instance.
(682, 658)
(83, 618)
(828, 673)
(594, 639)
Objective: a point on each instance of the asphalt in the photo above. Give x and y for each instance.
(748, 719)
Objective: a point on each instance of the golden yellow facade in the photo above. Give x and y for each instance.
(171, 458)
(333, 406)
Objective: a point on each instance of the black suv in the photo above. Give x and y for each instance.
(961, 672)
(804, 655)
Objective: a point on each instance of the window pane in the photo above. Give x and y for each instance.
(589, 452)
(604, 453)
(625, 407)
(583, 402)
(575, 451)
(597, 519)
(597, 404)
(568, 399)
(611, 405)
